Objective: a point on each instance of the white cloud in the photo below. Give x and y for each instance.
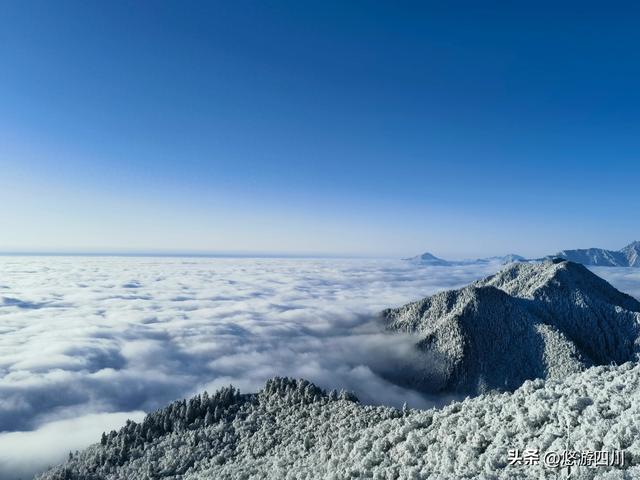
(24, 453)
(624, 279)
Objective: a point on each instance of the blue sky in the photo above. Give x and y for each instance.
(377, 128)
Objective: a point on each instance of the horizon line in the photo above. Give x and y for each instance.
(179, 254)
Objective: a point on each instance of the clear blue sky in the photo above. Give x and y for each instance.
(319, 127)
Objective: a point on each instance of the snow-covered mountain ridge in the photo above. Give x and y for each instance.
(294, 430)
(628, 256)
(527, 321)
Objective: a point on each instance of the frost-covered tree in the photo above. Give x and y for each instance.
(292, 429)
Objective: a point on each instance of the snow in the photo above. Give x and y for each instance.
(291, 429)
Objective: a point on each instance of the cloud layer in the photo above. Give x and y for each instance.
(97, 338)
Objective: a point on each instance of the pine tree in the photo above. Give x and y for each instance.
(208, 419)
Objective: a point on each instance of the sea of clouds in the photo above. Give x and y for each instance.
(86, 342)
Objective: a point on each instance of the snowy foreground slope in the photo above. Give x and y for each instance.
(527, 321)
(292, 429)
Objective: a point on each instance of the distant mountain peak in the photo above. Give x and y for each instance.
(628, 256)
(428, 258)
(503, 259)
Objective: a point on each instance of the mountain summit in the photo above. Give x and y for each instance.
(527, 321)
(428, 259)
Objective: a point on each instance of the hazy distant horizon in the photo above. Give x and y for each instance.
(150, 252)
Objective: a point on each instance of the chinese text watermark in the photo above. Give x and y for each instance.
(566, 458)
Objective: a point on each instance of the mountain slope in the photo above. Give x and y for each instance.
(595, 257)
(293, 430)
(527, 321)
(632, 254)
(599, 319)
